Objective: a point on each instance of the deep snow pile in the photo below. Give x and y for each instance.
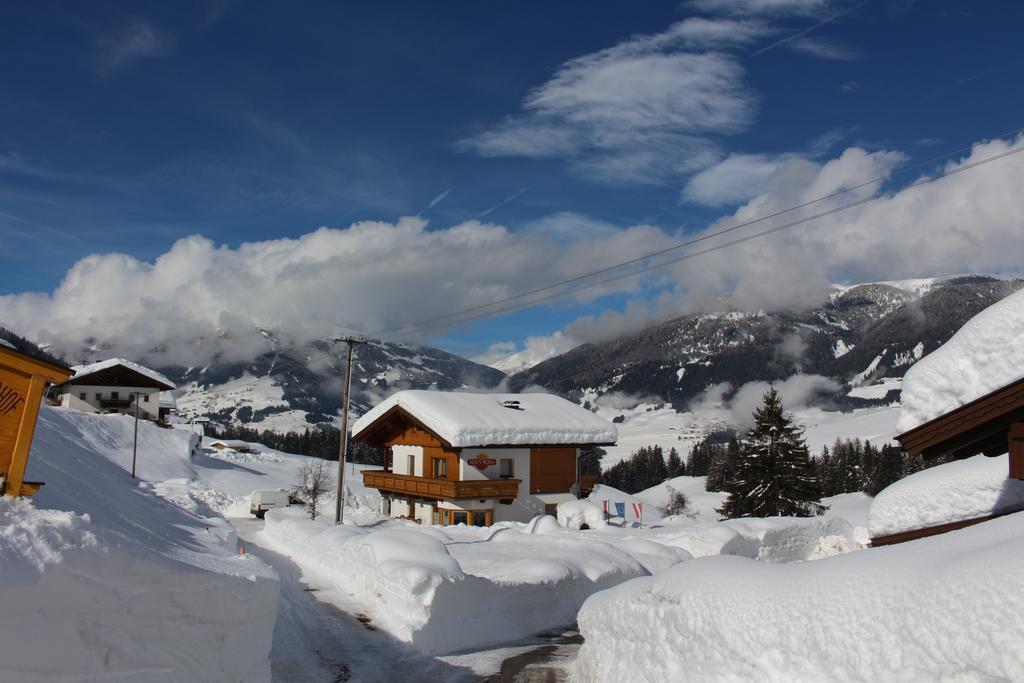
(955, 491)
(465, 419)
(948, 607)
(460, 588)
(105, 580)
(985, 354)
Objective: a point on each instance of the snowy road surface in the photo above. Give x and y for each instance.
(315, 640)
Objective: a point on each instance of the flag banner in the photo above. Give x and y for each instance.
(604, 505)
(638, 510)
(620, 510)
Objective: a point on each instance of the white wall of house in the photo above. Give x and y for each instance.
(400, 460)
(149, 402)
(424, 512)
(399, 507)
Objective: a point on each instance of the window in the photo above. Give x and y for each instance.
(98, 396)
(412, 465)
(436, 517)
(480, 518)
(114, 395)
(439, 466)
(507, 470)
(81, 396)
(551, 509)
(460, 517)
(145, 398)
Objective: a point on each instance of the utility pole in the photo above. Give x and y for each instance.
(135, 441)
(339, 502)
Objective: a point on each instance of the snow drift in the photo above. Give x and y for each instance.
(953, 492)
(462, 588)
(105, 580)
(949, 607)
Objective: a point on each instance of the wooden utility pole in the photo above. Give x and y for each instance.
(339, 502)
(135, 440)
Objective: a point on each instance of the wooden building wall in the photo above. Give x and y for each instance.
(552, 470)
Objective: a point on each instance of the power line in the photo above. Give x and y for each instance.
(687, 243)
(446, 320)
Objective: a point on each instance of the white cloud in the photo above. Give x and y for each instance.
(368, 277)
(568, 226)
(536, 349)
(964, 223)
(719, 404)
(643, 110)
(763, 7)
(140, 40)
(824, 49)
(736, 178)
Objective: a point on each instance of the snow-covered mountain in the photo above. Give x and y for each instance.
(300, 386)
(863, 337)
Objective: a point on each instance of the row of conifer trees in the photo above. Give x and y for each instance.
(769, 471)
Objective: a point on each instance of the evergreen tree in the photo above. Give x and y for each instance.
(888, 467)
(676, 468)
(699, 461)
(773, 476)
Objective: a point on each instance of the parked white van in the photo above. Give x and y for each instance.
(266, 500)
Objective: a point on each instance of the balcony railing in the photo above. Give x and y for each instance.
(440, 488)
(115, 402)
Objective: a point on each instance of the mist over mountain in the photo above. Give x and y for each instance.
(862, 334)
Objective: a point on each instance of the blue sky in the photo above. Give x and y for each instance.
(125, 130)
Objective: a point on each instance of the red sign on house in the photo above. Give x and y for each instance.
(482, 463)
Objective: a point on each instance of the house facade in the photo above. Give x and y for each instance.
(477, 459)
(114, 386)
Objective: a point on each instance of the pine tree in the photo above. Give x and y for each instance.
(675, 464)
(773, 476)
(888, 467)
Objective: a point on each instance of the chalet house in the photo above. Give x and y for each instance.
(114, 386)
(991, 425)
(477, 459)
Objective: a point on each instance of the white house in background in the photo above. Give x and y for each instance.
(478, 459)
(115, 385)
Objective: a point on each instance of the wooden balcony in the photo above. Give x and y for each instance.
(404, 484)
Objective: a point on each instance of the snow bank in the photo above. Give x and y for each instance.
(464, 419)
(795, 539)
(949, 607)
(462, 588)
(105, 580)
(575, 513)
(984, 355)
(955, 491)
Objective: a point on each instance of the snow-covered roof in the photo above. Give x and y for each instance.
(465, 419)
(953, 492)
(984, 355)
(93, 368)
(4, 342)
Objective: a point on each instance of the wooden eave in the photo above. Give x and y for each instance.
(374, 434)
(51, 371)
(981, 426)
(369, 434)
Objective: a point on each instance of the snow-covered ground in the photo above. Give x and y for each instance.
(415, 592)
(105, 580)
(949, 607)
